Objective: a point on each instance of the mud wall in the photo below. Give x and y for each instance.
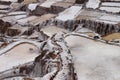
(39, 11)
(81, 1)
(99, 27)
(5, 3)
(42, 10)
(56, 9)
(54, 61)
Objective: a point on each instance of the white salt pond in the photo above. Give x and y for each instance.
(111, 4)
(70, 13)
(48, 3)
(9, 0)
(17, 13)
(93, 4)
(111, 9)
(110, 18)
(50, 30)
(4, 6)
(32, 6)
(17, 56)
(94, 60)
(99, 16)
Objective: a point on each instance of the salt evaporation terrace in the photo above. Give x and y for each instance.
(59, 39)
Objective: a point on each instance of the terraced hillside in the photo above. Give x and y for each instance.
(59, 39)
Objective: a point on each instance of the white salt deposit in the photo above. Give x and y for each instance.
(107, 21)
(52, 30)
(94, 60)
(70, 13)
(18, 55)
(3, 6)
(17, 13)
(9, 0)
(111, 9)
(93, 4)
(20, 16)
(111, 4)
(32, 6)
(48, 3)
(110, 18)
(98, 62)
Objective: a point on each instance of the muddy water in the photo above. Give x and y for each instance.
(50, 30)
(28, 1)
(112, 36)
